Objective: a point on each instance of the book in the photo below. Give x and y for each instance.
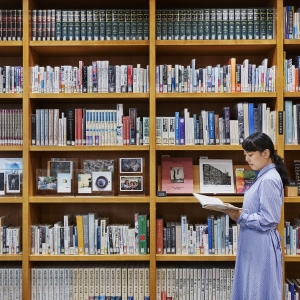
(177, 175)
(244, 179)
(214, 203)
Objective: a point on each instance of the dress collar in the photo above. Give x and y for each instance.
(266, 169)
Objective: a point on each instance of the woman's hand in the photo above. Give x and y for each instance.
(232, 213)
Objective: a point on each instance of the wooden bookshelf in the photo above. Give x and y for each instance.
(31, 208)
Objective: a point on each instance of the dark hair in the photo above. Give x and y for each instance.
(259, 142)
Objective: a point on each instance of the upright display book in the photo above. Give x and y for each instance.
(216, 176)
(177, 175)
(213, 203)
(244, 179)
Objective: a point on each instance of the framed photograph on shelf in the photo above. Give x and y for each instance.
(84, 183)
(216, 176)
(47, 183)
(64, 182)
(56, 167)
(101, 181)
(131, 183)
(244, 179)
(96, 177)
(177, 175)
(13, 183)
(131, 165)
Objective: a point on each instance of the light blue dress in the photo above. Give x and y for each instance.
(258, 269)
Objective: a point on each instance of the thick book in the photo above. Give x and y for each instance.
(214, 203)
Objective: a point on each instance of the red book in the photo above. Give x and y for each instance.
(159, 235)
(129, 79)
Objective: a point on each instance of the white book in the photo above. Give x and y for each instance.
(147, 283)
(39, 283)
(163, 280)
(102, 282)
(118, 282)
(33, 283)
(158, 130)
(214, 203)
(67, 283)
(141, 282)
(124, 283)
(165, 130)
(130, 280)
(45, 282)
(91, 282)
(135, 282)
(61, 281)
(51, 284)
(85, 283)
(97, 283)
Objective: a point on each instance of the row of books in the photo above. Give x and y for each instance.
(11, 281)
(232, 77)
(291, 22)
(291, 288)
(215, 24)
(11, 24)
(89, 24)
(291, 237)
(214, 237)
(100, 77)
(194, 281)
(11, 79)
(10, 237)
(11, 121)
(89, 127)
(91, 235)
(291, 72)
(91, 281)
(209, 128)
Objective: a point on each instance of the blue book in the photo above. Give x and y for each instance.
(177, 141)
(99, 240)
(201, 140)
(251, 117)
(211, 127)
(291, 287)
(209, 227)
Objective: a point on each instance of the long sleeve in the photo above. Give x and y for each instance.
(268, 216)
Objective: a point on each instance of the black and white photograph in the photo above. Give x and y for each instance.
(98, 165)
(55, 167)
(101, 181)
(13, 183)
(131, 183)
(177, 174)
(47, 183)
(131, 165)
(216, 176)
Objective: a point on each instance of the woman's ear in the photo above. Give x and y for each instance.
(266, 153)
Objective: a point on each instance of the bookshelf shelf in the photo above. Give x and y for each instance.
(292, 258)
(292, 199)
(292, 147)
(90, 199)
(11, 96)
(12, 49)
(11, 148)
(174, 257)
(89, 148)
(11, 257)
(89, 258)
(90, 48)
(198, 147)
(30, 209)
(214, 47)
(103, 96)
(11, 199)
(192, 199)
(204, 96)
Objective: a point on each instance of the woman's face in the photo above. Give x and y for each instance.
(258, 160)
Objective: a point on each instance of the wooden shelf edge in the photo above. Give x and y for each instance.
(11, 257)
(215, 95)
(192, 199)
(89, 199)
(11, 95)
(176, 257)
(11, 148)
(89, 257)
(123, 43)
(11, 200)
(291, 258)
(198, 147)
(292, 199)
(90, 148)
(89, 95)
(257, 43)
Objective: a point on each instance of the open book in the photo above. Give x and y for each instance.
(214, 203)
